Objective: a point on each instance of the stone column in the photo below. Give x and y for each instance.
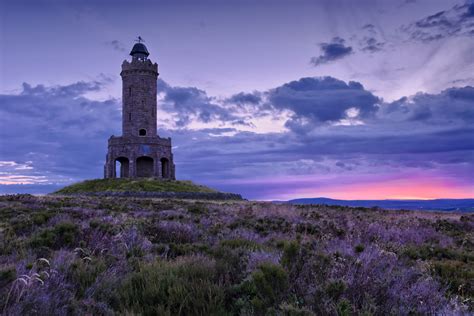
(158, 167)
(133, 167)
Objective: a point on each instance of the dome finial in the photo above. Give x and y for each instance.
(139, 50)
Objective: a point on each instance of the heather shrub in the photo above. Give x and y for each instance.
(64, 234)
(267, 287)
(291, 310)
(290, 252)
(102, 226)
(9, 242)
(335, 289)
(183, 287)
(359, 248)
(83, 273)
(457, 276)
(230, 262)
(198, 208)
(172, 231)
(140, 256)
(240, 243)
(174, 250)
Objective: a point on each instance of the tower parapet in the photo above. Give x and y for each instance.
(140, 151)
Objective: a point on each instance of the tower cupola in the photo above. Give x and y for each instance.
(139, 50)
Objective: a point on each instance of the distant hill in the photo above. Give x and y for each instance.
(460, 205)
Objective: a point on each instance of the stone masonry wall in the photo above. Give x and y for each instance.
(134, 150)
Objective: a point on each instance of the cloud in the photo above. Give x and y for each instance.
(117, 45)
(189, 104)
(318, 100)
(52, 135)
(334, 50)
(243, 98)
(457, 21)
(451, 107)
(371, 41)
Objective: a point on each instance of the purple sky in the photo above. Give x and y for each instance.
(271, 99)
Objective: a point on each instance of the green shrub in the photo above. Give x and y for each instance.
(41, 218)
(103, 227)
(62, 235)
(270, 283)
(290, 251)
(7, 275)
(184, 287)
(83, 273)
(457, 276)
(290, 310)
(229, 263)
(240, 243)
(344, 308)
(359, 248)
(426, 252)
(335, 289)
(176, 249)
(198, 209)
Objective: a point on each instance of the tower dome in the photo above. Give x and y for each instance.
(139, 51)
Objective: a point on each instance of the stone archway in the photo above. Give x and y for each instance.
(144, 167)
(165, 168)
(124, 167)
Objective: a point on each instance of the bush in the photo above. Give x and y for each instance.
(290, 251)
(335, 289)
(240, 243)
(359, 248)
(457, 276)
(83, 273)
(62, 235)
(270, 283)
(184, 287)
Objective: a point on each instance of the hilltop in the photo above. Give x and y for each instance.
(102, 255)
(146, 187)
(134, 185)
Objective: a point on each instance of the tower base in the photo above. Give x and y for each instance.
(139, 157)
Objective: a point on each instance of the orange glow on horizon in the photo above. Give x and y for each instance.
(407, 189)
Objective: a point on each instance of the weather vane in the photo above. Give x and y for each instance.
(140, 39)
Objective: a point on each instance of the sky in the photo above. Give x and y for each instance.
(270, 99)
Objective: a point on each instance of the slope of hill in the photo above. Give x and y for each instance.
(134, 185)
(89, 255)
(460, 205)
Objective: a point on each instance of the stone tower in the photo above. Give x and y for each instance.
(139, 151)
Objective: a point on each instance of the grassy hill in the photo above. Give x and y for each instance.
(134, 185)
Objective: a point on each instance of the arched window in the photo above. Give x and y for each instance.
(121, 167)
(165, 168)
(142, 132)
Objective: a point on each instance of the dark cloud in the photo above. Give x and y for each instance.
(452, 107)
(334, 50)
(322, 99)
(243, 98)
(188, 103)
(457, 21)
(117, 45)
